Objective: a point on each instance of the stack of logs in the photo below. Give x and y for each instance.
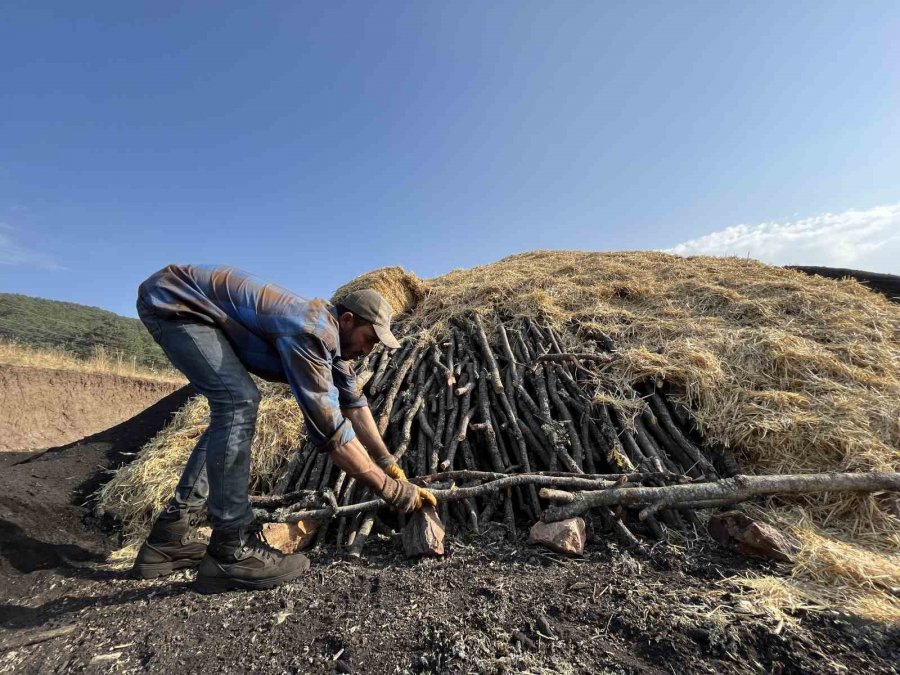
(495, 426)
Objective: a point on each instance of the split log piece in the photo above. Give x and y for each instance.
(362, 535)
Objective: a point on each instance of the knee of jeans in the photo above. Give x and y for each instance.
(248, 397)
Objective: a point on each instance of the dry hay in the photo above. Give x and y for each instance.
(402, 289)
(794, 373)
(139, 491)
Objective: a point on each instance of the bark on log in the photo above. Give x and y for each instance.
(395, 387)
(738, 488)
(488, 354)
(662, 414)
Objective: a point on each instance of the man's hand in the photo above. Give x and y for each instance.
(406, 497)
(389, 465)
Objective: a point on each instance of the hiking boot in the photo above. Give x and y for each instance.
(243, 559)
(171, 545)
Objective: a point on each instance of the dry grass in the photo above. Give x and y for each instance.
(140, 490)
(101, 361)
(795, 373)
(400, 288)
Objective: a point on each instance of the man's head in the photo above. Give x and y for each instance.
(364, 319)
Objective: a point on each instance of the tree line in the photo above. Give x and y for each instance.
(79, 329)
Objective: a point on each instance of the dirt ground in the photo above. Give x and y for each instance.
(488, 606)
(42, 407)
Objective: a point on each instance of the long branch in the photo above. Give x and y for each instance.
(738, 488)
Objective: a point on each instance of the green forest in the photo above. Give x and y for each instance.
(78, 329)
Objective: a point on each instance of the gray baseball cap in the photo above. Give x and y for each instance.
(371, 306)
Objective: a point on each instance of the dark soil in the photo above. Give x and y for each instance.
(488, 606)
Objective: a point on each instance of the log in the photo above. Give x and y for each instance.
(575, 358)
(665, 419)
(488, 354)
(395, 388)
(736, 489)
(375, 381)
(423, 534)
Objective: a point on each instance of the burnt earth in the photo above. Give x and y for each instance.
(489, 606)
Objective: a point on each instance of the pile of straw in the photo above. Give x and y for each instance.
(139, 491)
(402, 289)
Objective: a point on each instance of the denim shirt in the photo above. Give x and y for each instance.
(277, 335)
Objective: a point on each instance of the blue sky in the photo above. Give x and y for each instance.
(309, 142)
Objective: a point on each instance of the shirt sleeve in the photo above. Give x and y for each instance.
(349, 392)
(309, 367)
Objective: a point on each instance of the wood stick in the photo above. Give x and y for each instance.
(488, 354)
(380, 369)
(674, 451)
(32, 638)
(540, 387)
(662, 414)
(572, 479)
(606, 430)
(395, 388)
(466, 413)
(738, 488)
(575, 358)
(563, 410)
(490, 435)
(631, 447)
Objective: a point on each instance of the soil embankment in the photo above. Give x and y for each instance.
(40, 407)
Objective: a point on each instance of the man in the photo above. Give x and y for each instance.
(217, 325)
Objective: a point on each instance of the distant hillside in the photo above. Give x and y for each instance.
(78, 329)
(888, 284)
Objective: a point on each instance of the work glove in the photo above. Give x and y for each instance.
(389, 465)
(404, 496)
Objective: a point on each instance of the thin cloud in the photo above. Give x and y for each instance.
(13, 253)
(867, 239)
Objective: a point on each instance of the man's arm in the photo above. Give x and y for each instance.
(367, 431)
(403, 496)
(307, 364)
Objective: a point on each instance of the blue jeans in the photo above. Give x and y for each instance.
(218, 470)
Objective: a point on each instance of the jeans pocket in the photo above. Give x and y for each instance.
(145, 314)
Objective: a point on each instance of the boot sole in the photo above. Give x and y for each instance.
(208, 585)
(154, 570)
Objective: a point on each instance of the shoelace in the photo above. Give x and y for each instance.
(257, 541)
